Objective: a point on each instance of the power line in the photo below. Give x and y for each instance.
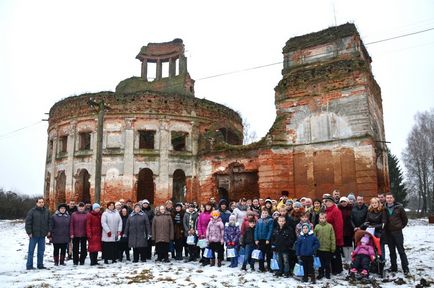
(249, 69)
(400, 36)
(280, 62)
(19, 129)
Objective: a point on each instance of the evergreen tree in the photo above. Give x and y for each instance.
(397, 186)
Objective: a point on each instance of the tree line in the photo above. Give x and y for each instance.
(15, 206)
(418, 158)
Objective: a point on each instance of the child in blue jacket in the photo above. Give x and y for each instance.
(263, 232)
(306, 247)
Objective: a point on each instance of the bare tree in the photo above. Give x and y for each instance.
(249, 135)
(418, 158)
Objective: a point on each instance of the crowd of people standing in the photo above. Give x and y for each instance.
(284, 232)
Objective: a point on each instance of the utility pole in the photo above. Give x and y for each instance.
(100, 107)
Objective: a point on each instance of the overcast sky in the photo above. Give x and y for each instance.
(54, 49)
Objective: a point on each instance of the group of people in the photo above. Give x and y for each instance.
(278, 234)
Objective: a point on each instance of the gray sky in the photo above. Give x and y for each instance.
(54, 49)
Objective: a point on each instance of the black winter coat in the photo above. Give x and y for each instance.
(283, 239)
(376, 219)
(358, 215)
(248, 237)
(38, 222)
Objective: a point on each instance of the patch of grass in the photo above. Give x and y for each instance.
(144, 276)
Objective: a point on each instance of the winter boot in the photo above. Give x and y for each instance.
(62, 260)
(364, 273)
(219, 263)
(353, 272)
(212, 262)
(244, 267)
(312, 278)
(56, 260)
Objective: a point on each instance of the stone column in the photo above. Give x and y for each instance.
(159, 73)
(69, 169)
(182, 64)
(128, 176)
(163, 174)
(145, 69)
(53, 172)
(172, 68)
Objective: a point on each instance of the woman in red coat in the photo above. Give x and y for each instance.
(94, 233)
(334, 217)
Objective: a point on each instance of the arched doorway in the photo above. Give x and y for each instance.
(60, 188)
(82, 187)
(179, 188)
(145, 185)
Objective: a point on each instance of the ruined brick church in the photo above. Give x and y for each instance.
(161, 142)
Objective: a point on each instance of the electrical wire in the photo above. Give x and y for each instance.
(2, 136)
(245, 70)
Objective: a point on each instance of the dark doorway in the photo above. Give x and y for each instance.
(60, 188)
(145, 185)
(179, 188)
(237, 183)
(223, 193)
(82, 187)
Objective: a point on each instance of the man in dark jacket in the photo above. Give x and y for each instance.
(38, 222)
(224, 212)
(358, 214)
(146, 208)
(396, 221)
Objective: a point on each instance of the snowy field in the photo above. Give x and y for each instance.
(419, 241)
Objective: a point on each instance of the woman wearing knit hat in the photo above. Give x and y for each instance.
(59, 229)
(94, 233)
(111, 223)
(215, 236)
(346, 209)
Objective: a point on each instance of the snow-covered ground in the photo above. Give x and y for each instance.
(419, 241)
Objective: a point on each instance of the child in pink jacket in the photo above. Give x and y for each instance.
(363, 255)
(215, 236)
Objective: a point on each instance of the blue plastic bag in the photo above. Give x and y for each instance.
(257, 254)
(208, 253)
(298, 270)
(241, 255)
(274, 262)
(316, 263)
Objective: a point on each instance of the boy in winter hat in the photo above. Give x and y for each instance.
(327, 245)
(232, 237)
(304, 219)
(283, 240)
(215, 236)
(306, 246)
(362, 256)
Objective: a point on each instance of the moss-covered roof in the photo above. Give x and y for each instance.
(320, 37)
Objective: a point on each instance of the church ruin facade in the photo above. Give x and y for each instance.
(160, 142)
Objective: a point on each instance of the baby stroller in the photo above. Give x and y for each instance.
(377, 265)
